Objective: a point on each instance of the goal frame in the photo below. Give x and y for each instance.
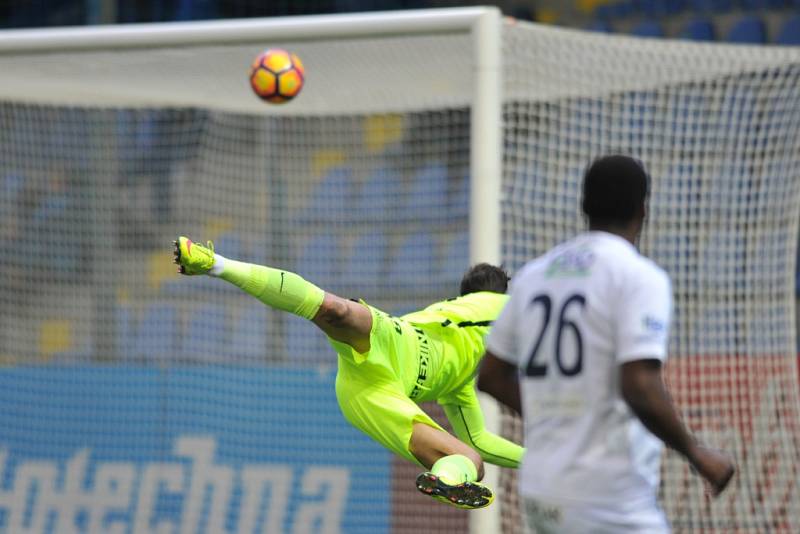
(483, 24)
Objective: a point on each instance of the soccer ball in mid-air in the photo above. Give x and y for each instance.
(277, 75)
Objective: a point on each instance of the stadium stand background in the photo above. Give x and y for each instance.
(740, 21)
(153, 178)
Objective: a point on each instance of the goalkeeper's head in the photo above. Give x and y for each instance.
(484, 277)
(615, 190)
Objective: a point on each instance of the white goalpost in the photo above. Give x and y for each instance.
(402, 103)
(423, 141)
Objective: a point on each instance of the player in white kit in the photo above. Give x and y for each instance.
(578, 352)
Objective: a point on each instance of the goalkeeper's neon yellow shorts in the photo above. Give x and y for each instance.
(372, 387)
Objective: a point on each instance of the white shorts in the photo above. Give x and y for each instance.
(546, 517)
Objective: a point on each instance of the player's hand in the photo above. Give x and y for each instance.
(716, 467)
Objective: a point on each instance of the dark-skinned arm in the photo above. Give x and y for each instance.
(643, 389)
(499, 379)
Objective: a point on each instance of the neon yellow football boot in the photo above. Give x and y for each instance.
(193, 258)
(468, 495)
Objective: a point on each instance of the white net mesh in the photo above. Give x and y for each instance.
(719, 130)
(186, 404)
(136, 399)
(365, 206)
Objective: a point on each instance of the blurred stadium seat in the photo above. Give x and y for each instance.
(413, 266)
(718, 6)
(698, 30)
(615, 9)
(205, 334)
(250, 329)
(455, 258)
(600, 25)
(459, 199)
(660, 8)
(157, 333)
(305, 343)
(11, 188)
(124, 330)
(332, 198)
(318, 259)
(754, 5)
(400, 308)
(648, 28)
(231, 245)
(379, 196)
(428, 194)
(789, 33)
(747, 30)
(364, 267)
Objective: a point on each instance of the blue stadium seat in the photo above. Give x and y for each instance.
(660, 8)
(428, 195)
(754, 5)
(600, 25)
(398, 309)
(249, 333)
(365, 267)
(332, 199)
(260, 248)
(318, 260)
(380, 196)
(459, 199)
(157, 333)
(648, 28)
(181, 286)
(713, 6)
(748, 30)
(603, 12)
(455, 259)
(124, 330)
(414, 263)
(615, 9)
(305, 343)
(675, 6)
(789, 33)
(12, 186)
(204, 338)
(698, 30)
(231, 245)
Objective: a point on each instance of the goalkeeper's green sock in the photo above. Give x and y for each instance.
(455, 469)
(279, 289)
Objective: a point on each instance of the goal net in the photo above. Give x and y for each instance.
(140, 401)
(718, 128)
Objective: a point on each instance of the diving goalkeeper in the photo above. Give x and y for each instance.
(389, 364)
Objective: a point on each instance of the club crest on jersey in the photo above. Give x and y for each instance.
(651, 324)
(571, 263)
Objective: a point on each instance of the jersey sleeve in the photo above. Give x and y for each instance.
(643, 316)
(464, 413)
(502, 339)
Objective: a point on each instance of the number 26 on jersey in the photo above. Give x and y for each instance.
(563, 326)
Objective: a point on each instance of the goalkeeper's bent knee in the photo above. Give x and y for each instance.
(279, 289)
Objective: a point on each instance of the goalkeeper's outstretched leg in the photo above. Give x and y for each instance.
(341, 319)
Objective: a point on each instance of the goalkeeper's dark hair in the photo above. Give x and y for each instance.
(484, 277)
(615, 190)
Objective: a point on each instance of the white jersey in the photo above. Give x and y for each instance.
(575, 314)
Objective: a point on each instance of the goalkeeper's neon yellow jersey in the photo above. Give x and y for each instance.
(457, 328)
